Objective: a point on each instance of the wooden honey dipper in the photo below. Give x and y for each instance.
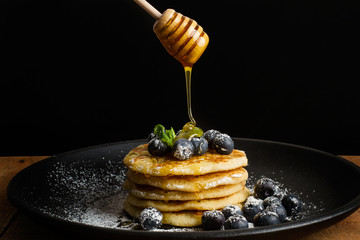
(181, 36)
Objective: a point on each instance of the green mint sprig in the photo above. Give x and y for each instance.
(167, 136)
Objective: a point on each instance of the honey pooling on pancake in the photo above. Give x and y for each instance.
(141, 161)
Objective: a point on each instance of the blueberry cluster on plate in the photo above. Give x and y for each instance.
(269, 204)
(189, 141)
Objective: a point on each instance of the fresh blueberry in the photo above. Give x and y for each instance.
(279, 210)
(183, 149)
(271, 200)
(223, 144)
(213, 220)
(209, 135)
(150, 218)
(200, 145)
(157, 147)
(251, 207)
(266, 218)
(236, 222)
(231, 210)
(265, 187)
(292, 204)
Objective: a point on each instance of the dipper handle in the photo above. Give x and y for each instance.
(149, 8)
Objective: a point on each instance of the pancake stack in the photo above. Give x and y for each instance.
(183, 190)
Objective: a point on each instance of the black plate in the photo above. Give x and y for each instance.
(80, 191)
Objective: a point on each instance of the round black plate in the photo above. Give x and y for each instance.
(80, 191)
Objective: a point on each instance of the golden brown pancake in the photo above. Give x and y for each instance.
(190, 183)
(205, 204)
(140, 160)
(153, 193)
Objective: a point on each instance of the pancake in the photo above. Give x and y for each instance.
(190, 183)
(140, 160)
(178, 219)
(153, 193)
(205, 204)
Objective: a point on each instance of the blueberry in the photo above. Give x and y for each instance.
(150, 218)
(236, 222)
(213, 220)
(200, 145)
(271, 200)
(265, 187)
(266, 218)
(209, 135)
(231, 210)
(157, 147)
(279, 210)
(292, 204)
(223, 144)
(183, 149)
(251, 207)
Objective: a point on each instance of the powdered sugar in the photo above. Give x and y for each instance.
(150, 218)
(251, 201)
(104, 212)
(84, 193)
(212, 213)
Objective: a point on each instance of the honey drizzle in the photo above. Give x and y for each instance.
(188, 71)
(180, 32)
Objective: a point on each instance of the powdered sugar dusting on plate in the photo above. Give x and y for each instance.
(84, 193)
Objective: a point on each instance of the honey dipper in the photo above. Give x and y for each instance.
(181, 36)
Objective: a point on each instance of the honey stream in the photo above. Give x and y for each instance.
(188, 71)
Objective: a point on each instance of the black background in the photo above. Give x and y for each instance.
(80, 73)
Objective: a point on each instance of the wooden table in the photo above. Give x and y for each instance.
(14, 225)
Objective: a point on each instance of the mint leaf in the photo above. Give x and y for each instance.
(167, 136)
(159, 130)
(171, 136)
(171, 133)
(166, 140)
